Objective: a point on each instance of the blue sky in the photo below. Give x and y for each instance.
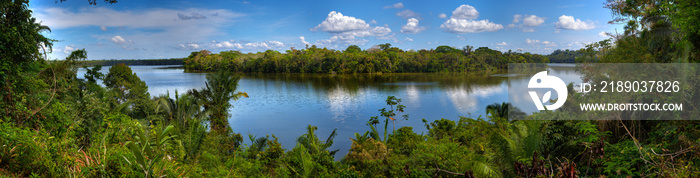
(173, 29)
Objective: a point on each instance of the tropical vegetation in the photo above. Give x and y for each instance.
(56, 124)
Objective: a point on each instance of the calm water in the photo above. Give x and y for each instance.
(284, 104)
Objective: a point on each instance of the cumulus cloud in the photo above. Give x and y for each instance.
(188, 46)
(232, 44)
(373, 22)
(119, 40)
(303, 40)
(336, 22)
(408, 39)
(395, 6)
(603, 34)
(517, 17)
(412, 27)
(442, 15)
(538, 42)
(67, 49)
(528, 22)
(529, 41)
(470, 26)
(227, 44)
(462, 21)
(502, 44)
(406, 14)
(548, 43)
(465, 12)
(570, 23)
(349, 30)
(533, 21)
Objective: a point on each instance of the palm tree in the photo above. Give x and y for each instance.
(221, 88)
(513, 140)
(504, 111)
(311, 142)
(180, 109)
(184, 112)
(467, 50)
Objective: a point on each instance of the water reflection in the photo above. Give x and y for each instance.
(284, 104)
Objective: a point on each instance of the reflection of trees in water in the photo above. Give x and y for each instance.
(341, 91)
(352, 83)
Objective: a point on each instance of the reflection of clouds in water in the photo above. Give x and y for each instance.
(413, 95)
(465, 99)
(342, 103)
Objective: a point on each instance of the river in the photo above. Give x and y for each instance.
(284, 104)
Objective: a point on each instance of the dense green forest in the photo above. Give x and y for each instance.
(564, 56)
(54, 124)
(379, 59)
(132, 62)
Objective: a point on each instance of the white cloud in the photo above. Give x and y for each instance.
(336, 22)
(408, 39)
(406, 14)
(570, 23)
(465, 12)
(442, 15)
(529, 41)
(548, 43)
(231, 44)
(67, 49)
(374, 31)
(188, 46)
(342, 40)
(227, 45)
(469, 26)
(462, 21)
(395, 6)
(533, 20)
(103, 28)
(303, 40)
(517, 17)
(347, 30)
(373, 22)
(119, 40)
(603, 34)
(412, 27)
(528, 22)
(264, 45)
(538, 42)
(502, 44)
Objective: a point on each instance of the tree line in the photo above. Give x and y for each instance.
(379, 59)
